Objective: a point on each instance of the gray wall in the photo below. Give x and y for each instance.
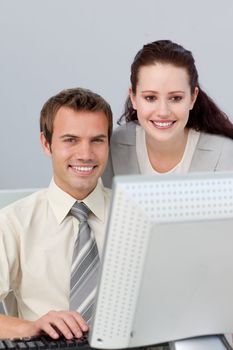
(48, 45)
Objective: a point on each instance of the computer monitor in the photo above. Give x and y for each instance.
(167, 268)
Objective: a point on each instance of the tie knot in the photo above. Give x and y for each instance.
(80, 211)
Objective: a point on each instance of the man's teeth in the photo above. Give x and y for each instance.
(163, 124)
(83, 168)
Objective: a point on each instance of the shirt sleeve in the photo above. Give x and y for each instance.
(9, 258)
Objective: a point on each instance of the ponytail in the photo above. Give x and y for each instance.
(206, 116)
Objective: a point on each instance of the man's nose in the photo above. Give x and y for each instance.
(84, 151)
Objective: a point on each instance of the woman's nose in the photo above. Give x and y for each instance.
(163, 109)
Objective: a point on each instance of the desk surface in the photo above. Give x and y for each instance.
(201, 343)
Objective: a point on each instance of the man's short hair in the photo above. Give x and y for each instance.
(78, 99)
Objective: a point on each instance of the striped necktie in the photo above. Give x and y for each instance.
(85, 264)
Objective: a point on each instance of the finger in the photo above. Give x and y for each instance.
(50, 330)
(73, 324)
(54, 325)
(63, 328)
(80, 320)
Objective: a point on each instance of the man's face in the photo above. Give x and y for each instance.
(79, 150)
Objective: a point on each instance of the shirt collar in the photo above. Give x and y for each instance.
(61, 202)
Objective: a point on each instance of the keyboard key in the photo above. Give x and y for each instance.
(21, 345)
(10, 344)
(2, 345)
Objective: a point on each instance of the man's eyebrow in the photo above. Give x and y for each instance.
(68, 135)
(100, 136)
(77, 137)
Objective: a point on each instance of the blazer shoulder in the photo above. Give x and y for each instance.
(125, 134)
(213, 153)
(214, 142)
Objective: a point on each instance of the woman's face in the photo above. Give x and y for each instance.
(163, 100)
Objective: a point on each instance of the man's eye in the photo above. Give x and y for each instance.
(69, 140)
(98, 140)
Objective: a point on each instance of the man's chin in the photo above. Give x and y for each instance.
(83, 189)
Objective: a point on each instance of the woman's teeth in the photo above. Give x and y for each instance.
(163, 124)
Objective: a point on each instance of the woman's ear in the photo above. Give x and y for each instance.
(194, 97)
(132, 98)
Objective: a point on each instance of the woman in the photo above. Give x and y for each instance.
(171, 124)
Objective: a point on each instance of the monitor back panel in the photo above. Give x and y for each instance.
(168, 263)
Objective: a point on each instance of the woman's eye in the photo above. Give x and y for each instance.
(150, 98)
(176, 98)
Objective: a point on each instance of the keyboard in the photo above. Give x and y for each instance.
(44, 343)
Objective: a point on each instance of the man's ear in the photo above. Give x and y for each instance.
(132, 98)
(45, 144)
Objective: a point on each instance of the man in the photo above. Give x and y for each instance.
(38, 233)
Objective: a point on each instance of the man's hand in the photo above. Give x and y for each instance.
(55, 323)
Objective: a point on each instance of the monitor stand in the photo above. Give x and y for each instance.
(201, 343)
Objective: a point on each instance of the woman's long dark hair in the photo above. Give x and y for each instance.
(206, 115)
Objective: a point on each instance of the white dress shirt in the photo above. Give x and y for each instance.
(37, 237)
